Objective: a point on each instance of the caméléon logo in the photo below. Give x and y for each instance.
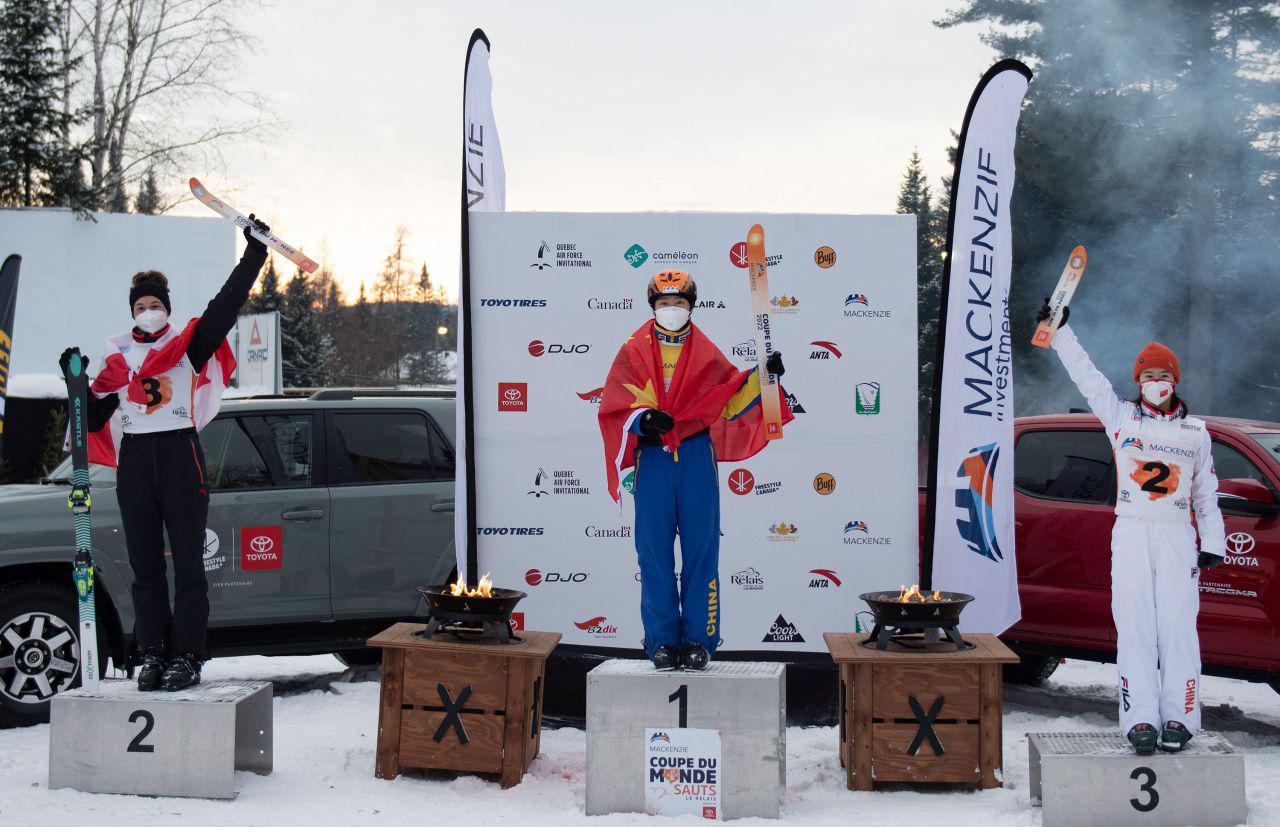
(636, 256)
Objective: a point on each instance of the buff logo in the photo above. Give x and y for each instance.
(513, 532)
(713, 608)
(979, 530)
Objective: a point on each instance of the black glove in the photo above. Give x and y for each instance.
(1207, 560)
(1044, 313)
(654, 422)
(65, 359)
(774, 363)
(251, 239)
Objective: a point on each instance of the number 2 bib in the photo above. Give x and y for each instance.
(1155, 464)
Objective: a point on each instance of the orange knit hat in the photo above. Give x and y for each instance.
(1156, 355)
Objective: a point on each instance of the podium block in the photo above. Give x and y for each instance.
(189, 744)
(1088, 778)
(747, 702)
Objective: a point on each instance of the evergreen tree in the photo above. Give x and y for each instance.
(147, 201)
(915, 198)
(305, 349)
(1148, 135)
(268, 297)
(32, 154)
(54, 438)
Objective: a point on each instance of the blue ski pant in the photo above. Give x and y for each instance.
(678, 497)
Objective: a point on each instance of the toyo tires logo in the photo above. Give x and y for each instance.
(978, 529)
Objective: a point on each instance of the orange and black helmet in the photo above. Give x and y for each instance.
(673, 283)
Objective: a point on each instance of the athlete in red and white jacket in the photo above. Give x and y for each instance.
(1164, 471)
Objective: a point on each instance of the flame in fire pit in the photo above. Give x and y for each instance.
(913, 595)
(483, 589)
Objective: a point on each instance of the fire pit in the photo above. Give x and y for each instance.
(903, 617)
(468, 614)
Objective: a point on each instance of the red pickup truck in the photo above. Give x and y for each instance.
(1064, 496)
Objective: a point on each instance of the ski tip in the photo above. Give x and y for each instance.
(197, 189)
(1079, 257)
(755, 236)
(308, 265)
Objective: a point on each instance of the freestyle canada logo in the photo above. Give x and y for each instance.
(824, 257)
(748, 579)
(858, 533)
(743, 482)
(823, 349)
(782, 631)
(824, 483)
(978, 528)
(261, 548)
(561, 254)
(513, 397)
(536, 577)
(610, 304)
(598, 625)
(823, 579)
(518, 303)
(738, 257)
(539, 348)
(212, 560)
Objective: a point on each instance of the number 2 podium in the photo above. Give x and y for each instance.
(745, 701)
(118, 740)
(1087, 778)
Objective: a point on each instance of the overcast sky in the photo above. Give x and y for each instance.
(799, 106)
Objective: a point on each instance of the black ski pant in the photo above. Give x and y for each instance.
(160, 483)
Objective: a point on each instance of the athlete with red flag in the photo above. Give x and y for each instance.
(673, 406)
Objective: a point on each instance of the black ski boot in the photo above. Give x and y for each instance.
(1143, 737)
(695, 657)
(666, 658)
(153, 666)
(1174, 737)
(182, 671)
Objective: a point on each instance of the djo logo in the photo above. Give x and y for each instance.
(824, 483)
(824, 257)
(538, 348)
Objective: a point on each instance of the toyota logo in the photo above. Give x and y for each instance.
(1239, 543)
(261, 544)
(512, 394)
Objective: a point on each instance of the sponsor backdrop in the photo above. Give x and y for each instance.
(257, 346)
(815, 519)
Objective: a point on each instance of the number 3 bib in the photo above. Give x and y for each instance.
(169, 395)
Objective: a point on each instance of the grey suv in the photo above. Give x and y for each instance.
(325, 513)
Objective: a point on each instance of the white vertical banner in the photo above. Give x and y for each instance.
(970, 517)
(484, 189)
(258, 368)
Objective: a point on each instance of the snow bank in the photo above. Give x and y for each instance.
(37, 386)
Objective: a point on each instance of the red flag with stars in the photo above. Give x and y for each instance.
(703, 383)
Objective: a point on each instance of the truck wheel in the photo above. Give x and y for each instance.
(1033, 670)
(39, 650)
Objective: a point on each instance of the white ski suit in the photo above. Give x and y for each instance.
(1164, 468)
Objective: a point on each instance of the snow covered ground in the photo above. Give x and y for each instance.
(326, 729)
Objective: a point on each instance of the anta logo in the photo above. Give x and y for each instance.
(1133, 440)
(1189, 700)
(592, 396)
(599, 625)
(978, 528)
(824, 350)
(823, 579)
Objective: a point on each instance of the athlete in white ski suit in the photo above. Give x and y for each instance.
(1164, 468)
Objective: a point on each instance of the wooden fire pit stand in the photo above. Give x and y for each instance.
(920, 715)
(473, 706)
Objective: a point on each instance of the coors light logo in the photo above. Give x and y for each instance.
(783, 631)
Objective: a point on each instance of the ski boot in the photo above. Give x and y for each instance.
(695, 657)
(666, 658)
(1174, 737)
(182, 671)
(1143, 737)
(153, 666)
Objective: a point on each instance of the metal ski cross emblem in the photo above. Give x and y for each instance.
(926, 721)
(452, 716)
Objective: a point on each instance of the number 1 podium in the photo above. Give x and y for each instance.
(747, 702)
(116, 739)
(1087, 778)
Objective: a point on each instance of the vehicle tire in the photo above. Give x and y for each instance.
(1032, 670)
(39, 651)
(360, 657)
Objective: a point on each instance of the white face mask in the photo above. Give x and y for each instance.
(671, 318)
(1157, 391)
(151, 321)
